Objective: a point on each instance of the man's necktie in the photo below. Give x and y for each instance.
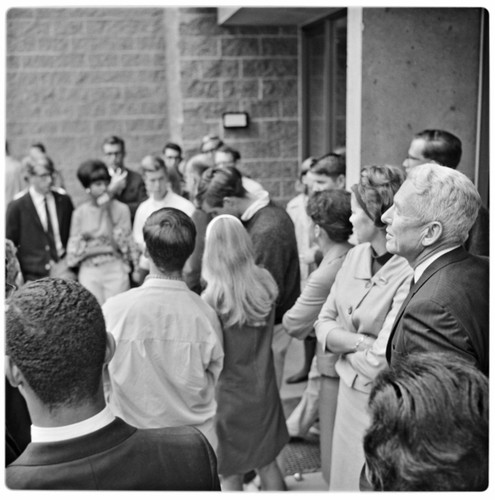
(50, 233)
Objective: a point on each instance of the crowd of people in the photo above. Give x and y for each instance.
(147, 328)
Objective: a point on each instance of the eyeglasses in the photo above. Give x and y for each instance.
(44, 176)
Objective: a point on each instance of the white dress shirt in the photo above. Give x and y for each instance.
(421, 268)
(52, 434)
(39, 204)
(168, 357)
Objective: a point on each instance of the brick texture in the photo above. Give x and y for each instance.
(256, 69)
(75, 75)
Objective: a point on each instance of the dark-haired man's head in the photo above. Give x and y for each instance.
(220, 191)
(172, 154)
(56, 344)
(114, 152)
(327, 172)
(434, 146)
(429, 426)
(169, 235)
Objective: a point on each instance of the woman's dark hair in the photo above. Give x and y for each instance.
(92, 171)
(331, 210)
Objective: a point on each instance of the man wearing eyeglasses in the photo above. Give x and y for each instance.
(38, 223)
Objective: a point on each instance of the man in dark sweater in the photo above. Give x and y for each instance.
(273, 236)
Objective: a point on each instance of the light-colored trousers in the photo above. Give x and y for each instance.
(105, 280)
(305, 414)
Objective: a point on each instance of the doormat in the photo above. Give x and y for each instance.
(300, 455)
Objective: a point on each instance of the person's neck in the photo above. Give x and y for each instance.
(325, 244)
(157, 273)
(379, 243)
(43, 416)
(429, 252)
(158, 197)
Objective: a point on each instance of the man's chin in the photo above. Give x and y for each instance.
(390, 247)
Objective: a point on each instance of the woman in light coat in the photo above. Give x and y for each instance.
(356, 320)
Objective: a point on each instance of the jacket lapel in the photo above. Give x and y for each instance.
(444, 260)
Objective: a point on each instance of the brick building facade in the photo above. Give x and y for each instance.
(76, 75)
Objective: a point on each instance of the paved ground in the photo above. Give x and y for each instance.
(309, 481)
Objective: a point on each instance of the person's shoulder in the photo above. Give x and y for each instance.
(133, 173)
(122, 301)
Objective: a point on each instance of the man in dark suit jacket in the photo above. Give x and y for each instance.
(40, 239)
(447, 307)
(77, 443)
(126, 186)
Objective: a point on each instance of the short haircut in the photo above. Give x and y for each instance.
(217, 183)
(441, 146)
(43, 159)
(429, 426)
(174, 146)
(92, 171)
(38, 145)
(331, 165)
(212, 141)
(236, 156)
(169, 235)
(377, 187)
(447, 196)
(331, 210)
(153, 163)
(113, 140)
(56, 335)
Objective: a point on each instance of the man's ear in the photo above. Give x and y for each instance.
(110, 348)
(433, 234)
(12, 372)
(341, 181)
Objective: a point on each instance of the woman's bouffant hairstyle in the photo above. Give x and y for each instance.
(92, 171)
(331, 210)
(238, 290)
(376, 189)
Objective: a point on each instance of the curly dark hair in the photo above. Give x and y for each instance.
(56, 335)
(377, 187)
(331, 210)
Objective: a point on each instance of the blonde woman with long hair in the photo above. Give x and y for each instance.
(250, 422)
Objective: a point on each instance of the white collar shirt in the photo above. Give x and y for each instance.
(421, 268)
(53, 434)
(39, 204)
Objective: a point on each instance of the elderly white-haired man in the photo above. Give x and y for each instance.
(447, 306)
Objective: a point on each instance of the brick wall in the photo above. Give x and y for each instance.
(251, 69)
(75, 75)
